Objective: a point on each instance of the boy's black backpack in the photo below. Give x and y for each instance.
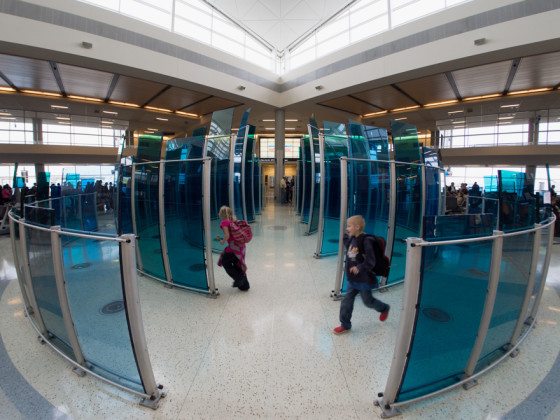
(382, 262)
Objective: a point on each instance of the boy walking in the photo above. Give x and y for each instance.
(357, 269)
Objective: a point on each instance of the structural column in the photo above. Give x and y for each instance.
(279, 148)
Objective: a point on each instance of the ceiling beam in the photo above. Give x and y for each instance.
(394, 86)
(57, 77)
(112, 86)
(453, 85)
(366, 102)
(196, 102)
(512, 71)
(165, 89)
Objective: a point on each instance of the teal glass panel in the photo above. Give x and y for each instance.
(200, 131)
(43, 282)
(221, 123)
(308, 178)
(336, 146)
(514, 277)
(96, 298)
(89, 211)
(457, 226)
(407, 217)
(315, 198)
(123, 200)
(433, 195)
(518, 204)
(409, 194)
(367, 142)
(149, 148)
(71, 209)
(184, 223)
(540, 271)
(218, 149)
(146, 178)
(39, 216)
(369, 187)
(490, 183)
(299, 187)
(450, 308)
(248, 175)
(405, 142)
(238, 172)
(257, 184)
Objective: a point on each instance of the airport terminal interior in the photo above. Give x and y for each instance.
(371, 107)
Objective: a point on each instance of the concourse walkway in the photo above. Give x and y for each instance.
(268, 353)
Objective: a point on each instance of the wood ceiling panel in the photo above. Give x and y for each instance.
(136, 91)
(177, 98)
(28, 73)
(385, 97)
(349, 104)
(482, 80)
(537, 71)
(210, 105)
(85, 82)
(428, 90)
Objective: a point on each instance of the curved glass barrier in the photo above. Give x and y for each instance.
(315, 177)
(307, 179)
(468, 303)
(81, 294)
(248, 175)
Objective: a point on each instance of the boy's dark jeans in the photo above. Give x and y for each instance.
(347, 305)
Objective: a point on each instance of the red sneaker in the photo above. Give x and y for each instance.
(384, 314)
(340, 330)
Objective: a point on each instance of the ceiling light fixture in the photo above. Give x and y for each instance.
(451, 101)
(454, 112)
(7, 118)
(59, 106)
(124, 104)
(40, 92)
(63, 118)
(85, 98)
(458, 122)
(522, 92)
(268, 120)
(406, 108)
(111, 112)
(153, 108)
(510, 106)
(152, 129)
(187, 114)
(400, 119)
(372, 114)
(6, 113)
(6, 89)
(162, 119)
(291, 120)
(506, 118)
(474, 98)
(269, 128)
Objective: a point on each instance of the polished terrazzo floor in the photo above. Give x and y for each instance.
(268, 353)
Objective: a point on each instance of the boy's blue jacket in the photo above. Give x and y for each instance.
(362, 280)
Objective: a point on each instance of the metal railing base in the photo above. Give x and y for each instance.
(80, 372)
(153, 401)
(470, 384)
(387, 412)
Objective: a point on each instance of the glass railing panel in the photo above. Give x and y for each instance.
(433, 194)
(43, 281)
(146, 201)
(96, 300)
(248, 174)
(39, 216)
(19, 258)
(315, 198)
(123, 200)
(514, 276)
(336, 146)
(541, 268)
(453, 288)
(458, 226)
(307, 178)
(184, 223)
(237, 172)
(71, 209)
(89, 202)
(407, 215)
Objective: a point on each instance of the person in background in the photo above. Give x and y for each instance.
(357, 274)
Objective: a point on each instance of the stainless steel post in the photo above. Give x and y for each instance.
(206, 171)
(337, 292)
(162, 230)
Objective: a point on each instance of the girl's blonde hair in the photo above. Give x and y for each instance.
(226, 213)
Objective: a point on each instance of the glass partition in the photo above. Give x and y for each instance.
(146, 208)
(451, 299)
(248, 175)
(238, 148)
(96, 299)
(540, 275)
(307, 178)
(43, 282)
(315, 193)
(335, 143)
(517, 255)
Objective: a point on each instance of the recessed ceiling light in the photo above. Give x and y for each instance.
(455, 112)
(152, 129)
(506, 118)
(162, 119)
(63, 118)
(268, 120)
(59, 106)
(111, 112)
(399, 119)
(510, 106)
(5, 113)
